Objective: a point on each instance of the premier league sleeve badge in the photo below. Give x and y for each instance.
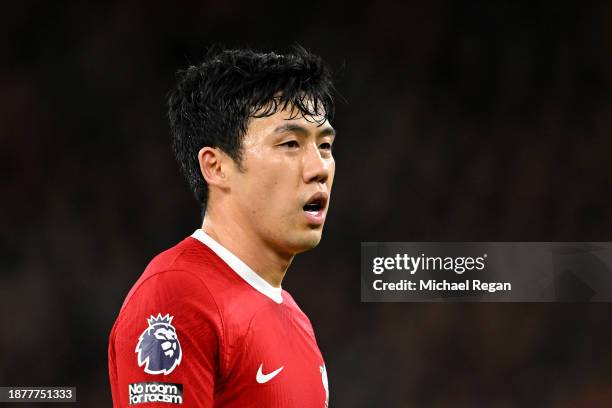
(158, 348)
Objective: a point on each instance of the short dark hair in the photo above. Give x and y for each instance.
(213, 102)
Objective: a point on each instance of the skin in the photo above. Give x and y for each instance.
(257, 211)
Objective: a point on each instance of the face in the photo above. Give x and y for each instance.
(282, 194)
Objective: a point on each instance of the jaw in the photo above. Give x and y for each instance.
(307, 239)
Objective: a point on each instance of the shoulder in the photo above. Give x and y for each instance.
(180, 294)
(187, 255)
(179, 280)
(188, 267)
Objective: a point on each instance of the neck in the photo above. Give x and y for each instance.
(261, 258)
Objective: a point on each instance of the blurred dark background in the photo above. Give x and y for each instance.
(487, 121)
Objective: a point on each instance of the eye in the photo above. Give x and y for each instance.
(292, 144)
(326, 146)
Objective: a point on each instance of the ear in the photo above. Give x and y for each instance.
(213, 166)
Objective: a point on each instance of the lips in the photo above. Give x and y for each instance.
(315, 207)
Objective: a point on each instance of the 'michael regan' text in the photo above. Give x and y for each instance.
(442, 286)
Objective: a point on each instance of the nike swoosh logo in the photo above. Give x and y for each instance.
(264, 378)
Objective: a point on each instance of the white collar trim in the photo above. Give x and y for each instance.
(241, 269)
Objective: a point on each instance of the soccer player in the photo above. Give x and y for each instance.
(207, 324)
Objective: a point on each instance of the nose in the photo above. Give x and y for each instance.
(316, 168)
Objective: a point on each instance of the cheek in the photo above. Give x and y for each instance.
(268, 188)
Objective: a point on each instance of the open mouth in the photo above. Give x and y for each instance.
(315, 204)
(312, 208)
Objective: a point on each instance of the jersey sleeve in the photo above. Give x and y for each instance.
(166, 344)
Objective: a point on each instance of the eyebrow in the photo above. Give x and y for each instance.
(294, 128)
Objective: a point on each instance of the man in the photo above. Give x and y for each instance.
(208, 324)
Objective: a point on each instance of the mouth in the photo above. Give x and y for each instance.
(315, 207)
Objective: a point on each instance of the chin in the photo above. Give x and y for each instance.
(306, 241)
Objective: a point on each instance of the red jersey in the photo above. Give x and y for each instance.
(201, 329)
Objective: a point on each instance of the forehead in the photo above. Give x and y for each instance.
(261, 126)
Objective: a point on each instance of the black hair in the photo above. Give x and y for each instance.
(213, 102)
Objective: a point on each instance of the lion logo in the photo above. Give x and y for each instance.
(158, 347)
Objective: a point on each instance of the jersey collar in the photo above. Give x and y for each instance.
(241, 269)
